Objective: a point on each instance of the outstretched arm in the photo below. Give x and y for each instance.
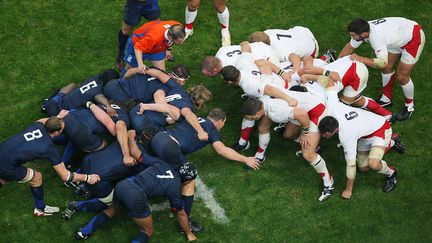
(277, 93)
(231, 154)
(66, 175)
(101, 99)
(122, 138)
(184, 222)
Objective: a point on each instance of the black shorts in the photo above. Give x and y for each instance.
(81, 135)
(130, 197)
(114, 91)
(10, 172)
(167, 149)
(133, 11)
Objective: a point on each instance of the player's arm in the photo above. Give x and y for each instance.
(103, 118)
(277, 93)
(302, 116)
(347, 50)
(69, 176)
(171, 110)
(157, 73)
(101, 99)
(184, 222)
(192, 119)
(159, 97)
(295, 60)
(231, 154)
(131, 72)
(122, 138)
(350, 150)
(377, 63)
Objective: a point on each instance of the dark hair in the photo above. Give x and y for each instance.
(251, 106)
(358, 26)
(216, 114)
(328, 124)
(177, 32)
(108, 75)
(298, 88)
(53, 124)
(230, 73)
(180, 71)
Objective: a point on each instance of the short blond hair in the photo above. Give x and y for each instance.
(259, 36)
(199, 95)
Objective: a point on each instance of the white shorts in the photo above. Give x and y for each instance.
(363, 75)
(381, 137)
(410, 53)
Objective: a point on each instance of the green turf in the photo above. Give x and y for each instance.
(48, 44)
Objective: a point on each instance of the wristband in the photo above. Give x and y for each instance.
(71, 176)
(326, 73)
(86, 178)
(305, 130)
(280, 72)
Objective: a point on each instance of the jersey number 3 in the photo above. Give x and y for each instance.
(169, 175)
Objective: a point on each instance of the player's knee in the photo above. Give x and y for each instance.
(263, 129)
(193, 5)
(403, 76)
(126, 29)
(219, 5)
(309, 155)
(374, 164)
(289, 135)
(363, 169)
(37, 179)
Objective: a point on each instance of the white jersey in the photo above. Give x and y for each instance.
(251, 80)
(386, 34)
(279, 111)
(229, 55)
(298, 40)
(354, 123)
(342, 66)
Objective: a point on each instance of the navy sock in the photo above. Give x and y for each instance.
(188, 201)
(122, 40)
(96, 222)
(38, 197)
(68, 152)
(142, 237)
(92, 205)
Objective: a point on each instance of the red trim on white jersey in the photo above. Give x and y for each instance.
(413, 45)
(380, 132)
(351, 78)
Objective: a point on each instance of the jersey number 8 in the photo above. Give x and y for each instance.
(32, 135)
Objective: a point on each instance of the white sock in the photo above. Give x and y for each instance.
(246, 128)
(320, 166)
(190, 16)
(385, 80)
(385, 169)
(408, 90)
(263, 141)
(224, 18)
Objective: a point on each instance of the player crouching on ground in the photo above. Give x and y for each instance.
(133, 193)
(361, 131)
(35, 142)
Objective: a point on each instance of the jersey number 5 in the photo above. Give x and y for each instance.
(32, 135)
(169, 175)
(88, 86)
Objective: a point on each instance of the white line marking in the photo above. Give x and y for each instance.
(206, 194)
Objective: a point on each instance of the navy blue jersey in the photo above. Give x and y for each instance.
(86, 118)
(179, 98)
(160, 180)
(122, 114)
(108, 164)
(142, 87)
(156, 119)
(31, 144)
(186, 135)
(85, 92)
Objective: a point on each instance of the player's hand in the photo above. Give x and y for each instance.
(346, 194)
(203, 136)
(304, 79)
(92, 179)
(191, 236)
(111, 112)
(128, 160)
(169, 120)
(355, 57)
(291, 102)
(305, 140)
(335, 76)
(62, 114)
(287, 76)
(142, 109)
(253, 163)
(142, 68)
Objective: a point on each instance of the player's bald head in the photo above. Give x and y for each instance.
(211, 66)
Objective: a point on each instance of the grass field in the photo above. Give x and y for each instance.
(47, 44)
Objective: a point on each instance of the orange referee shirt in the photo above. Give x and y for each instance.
(150, 37)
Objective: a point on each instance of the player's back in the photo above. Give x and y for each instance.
(85, 92)
(142, 87)
(30, 144)
(396, 31)
(229, 55)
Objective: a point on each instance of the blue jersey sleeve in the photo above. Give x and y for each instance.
(172, 84)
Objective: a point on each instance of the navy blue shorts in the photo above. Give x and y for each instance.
(167, 149)
(147, 119)
(101, 188)
(130, 197)
(114, 91)
(133, 11)
(10, 172)
(53, 105)
(81, 135)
